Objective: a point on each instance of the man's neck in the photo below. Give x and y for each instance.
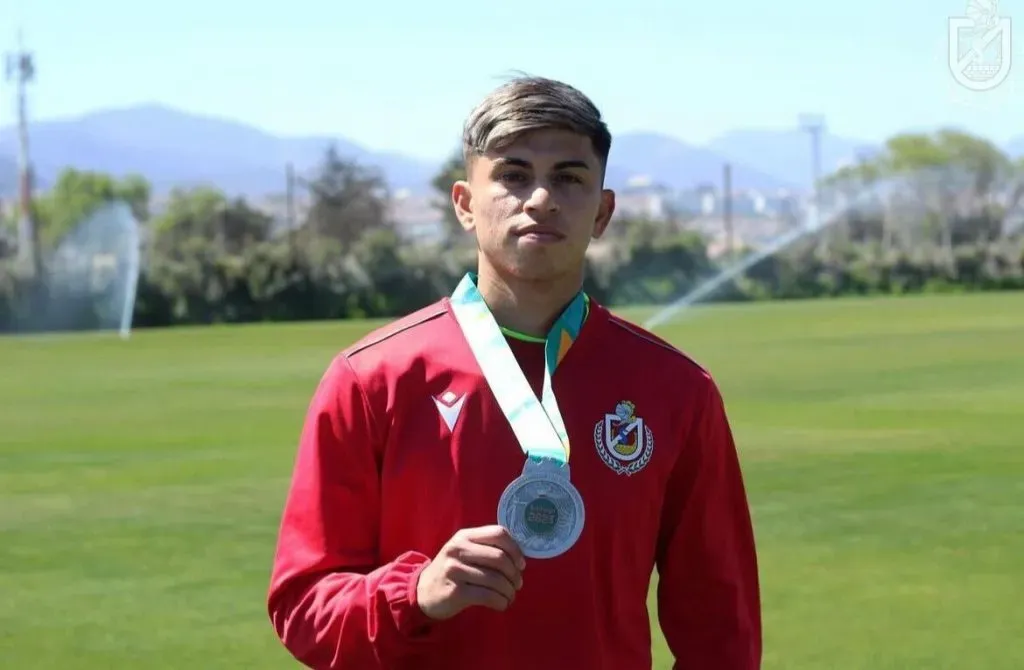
(526, 307)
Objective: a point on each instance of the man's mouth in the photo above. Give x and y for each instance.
(540, 234)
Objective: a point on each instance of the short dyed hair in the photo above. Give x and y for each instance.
(527, 103)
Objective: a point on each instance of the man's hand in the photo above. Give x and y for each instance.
(478, 566)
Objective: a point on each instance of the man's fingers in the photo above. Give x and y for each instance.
(467, 575)
(491, 558)
(498, 536)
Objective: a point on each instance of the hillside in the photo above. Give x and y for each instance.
(172, 147)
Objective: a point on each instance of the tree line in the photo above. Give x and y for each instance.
(930, 212)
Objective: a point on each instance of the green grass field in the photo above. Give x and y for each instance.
(882, 442)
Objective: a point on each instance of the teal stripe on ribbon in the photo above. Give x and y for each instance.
(538, 426)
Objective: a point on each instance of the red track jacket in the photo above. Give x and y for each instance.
(404, 444)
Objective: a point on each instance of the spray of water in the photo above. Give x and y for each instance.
(132, 272)
(711, 285)
(813, 224)
(93, 275)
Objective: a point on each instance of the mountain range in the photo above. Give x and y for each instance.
(172, 147)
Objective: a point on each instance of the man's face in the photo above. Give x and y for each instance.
(536, 204)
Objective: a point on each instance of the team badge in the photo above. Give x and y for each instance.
(623, 440)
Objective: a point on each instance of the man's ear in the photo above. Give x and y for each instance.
(604, 213)
(462, 201)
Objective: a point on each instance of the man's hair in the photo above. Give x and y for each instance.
(527, 103)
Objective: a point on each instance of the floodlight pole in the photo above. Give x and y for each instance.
(814, 125)
(20, 67)
(730, 242)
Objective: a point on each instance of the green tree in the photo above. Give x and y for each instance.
(348, 200)
(77, 193)
(1015, 201)
(202, 255)
(453, 170)
(205, 213)
(940, 186)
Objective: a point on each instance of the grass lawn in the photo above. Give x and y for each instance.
(882, 442)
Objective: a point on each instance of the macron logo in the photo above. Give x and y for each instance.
(449, 406)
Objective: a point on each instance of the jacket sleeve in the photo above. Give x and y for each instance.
(331, 602)
(708, 592)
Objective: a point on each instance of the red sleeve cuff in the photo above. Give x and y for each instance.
(409, 618)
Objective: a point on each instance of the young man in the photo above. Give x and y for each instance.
(491, 481)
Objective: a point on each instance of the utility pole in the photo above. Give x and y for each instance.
(290, 182)
(814, 125)
(21, 70)
(730, 244)
(290, 196)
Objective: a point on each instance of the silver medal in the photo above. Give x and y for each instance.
(542, 510)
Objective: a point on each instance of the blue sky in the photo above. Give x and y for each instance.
(401, 75)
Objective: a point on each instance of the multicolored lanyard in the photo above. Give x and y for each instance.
(538, 426)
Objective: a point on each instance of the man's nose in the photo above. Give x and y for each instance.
(541, 201)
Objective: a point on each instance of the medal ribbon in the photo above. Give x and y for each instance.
(537, 425)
